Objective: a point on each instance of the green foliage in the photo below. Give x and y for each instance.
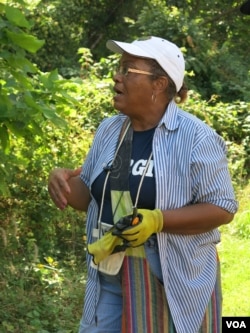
(47, 121)
(235, 246)
(235, 276)
(62, 26)
(231, 121)
(42, 296)
(241, 226)
(73, 24)
(28, 98)
(214, 40)
(213, 36)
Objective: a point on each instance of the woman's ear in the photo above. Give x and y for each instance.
(160, 84)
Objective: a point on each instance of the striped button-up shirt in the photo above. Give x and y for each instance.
(190, 167)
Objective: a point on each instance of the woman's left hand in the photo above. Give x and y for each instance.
(150, 222)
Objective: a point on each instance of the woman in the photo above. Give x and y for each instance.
(156, 187)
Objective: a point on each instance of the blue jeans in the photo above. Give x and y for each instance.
(109, 308)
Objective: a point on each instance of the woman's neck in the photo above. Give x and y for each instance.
(149, 119)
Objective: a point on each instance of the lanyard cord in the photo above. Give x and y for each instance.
(108, 173)
(142, 178)
(107, 176)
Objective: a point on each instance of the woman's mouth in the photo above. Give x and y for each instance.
(118, 91)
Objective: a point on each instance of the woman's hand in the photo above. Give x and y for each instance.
(135, 234)
(58, 185)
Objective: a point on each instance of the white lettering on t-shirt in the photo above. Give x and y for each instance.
(139, 166)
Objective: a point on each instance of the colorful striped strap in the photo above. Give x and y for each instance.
(144, 301)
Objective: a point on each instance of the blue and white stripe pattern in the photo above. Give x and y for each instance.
(190, 167)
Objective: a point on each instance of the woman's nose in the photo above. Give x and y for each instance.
(117, 77)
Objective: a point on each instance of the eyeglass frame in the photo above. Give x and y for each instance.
(125, 71)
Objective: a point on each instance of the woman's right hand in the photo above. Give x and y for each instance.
(58, 185)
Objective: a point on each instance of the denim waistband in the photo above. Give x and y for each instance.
(152, 241)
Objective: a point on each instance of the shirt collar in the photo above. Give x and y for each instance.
(170, 118)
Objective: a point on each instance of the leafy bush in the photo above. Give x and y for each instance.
(213, 40)
(231, 121)
(46, 122)
(29, 99)
(72, 24)
(34, 234)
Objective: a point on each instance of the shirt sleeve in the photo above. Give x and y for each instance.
(90, 160)
(211, 181)
(102, 148)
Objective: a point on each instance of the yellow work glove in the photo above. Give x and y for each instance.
(105, 246)
(141, 226)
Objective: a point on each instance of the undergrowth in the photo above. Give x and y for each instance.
(42, 293)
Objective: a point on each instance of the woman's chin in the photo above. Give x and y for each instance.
(118, 102)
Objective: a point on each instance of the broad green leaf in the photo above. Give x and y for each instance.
(5, 104)
(4, 138)
(4, 189)
(53, 75)
(30, 101)
(19, 61)
(49, 114)
(24, 80)
(35, 128)
(59, 122)
(53, 117)
(3, 23)
(15, 16)
(18, 128)
(26, 41)
(48, 79)
(67, 98)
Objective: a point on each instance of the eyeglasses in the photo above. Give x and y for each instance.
(124, 71)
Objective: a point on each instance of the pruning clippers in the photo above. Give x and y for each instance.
(126, 222)
(135, 217)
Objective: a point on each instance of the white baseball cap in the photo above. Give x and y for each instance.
(167, 54)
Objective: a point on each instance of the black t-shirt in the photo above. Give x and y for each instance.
(141, 150)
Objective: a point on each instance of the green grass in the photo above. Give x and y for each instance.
(234, 251)
(235, 269)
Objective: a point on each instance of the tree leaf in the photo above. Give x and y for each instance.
(16, 17)
(4, 188)
(5, 104)
(4, 138)
(19, 61)
(54, 118)
(26, 41)
(48, 79)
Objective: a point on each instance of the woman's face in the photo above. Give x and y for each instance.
(133, 91)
